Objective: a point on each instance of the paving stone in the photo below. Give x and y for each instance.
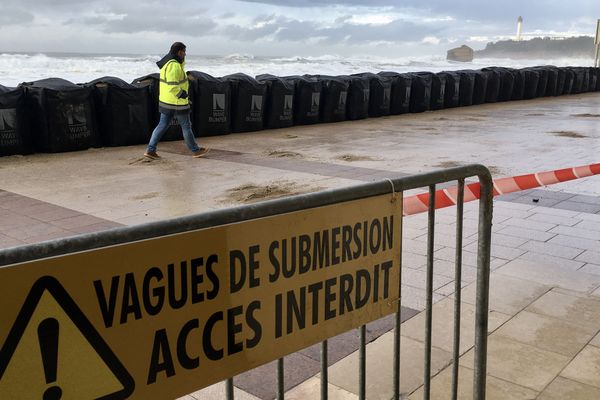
(563, 389)
(590, 269)
(413, 260)
(556, 212)
(559, 262)
(311, 389)
(443, 325)
(576, 206)
(589, 217)
(261, 382)
(547, 333)
(580, 198)
(414, 298)
(519, 363)
(507, 295)
(527, 233)
(217, 391)
(449, 254)
(379, 367)
(578, 243)
(417, 279)
(553, 219)
(585, 367)
(596, 340)
(589, 257)
(537, 200)
(589, 225)
(448, 289)
(552, 249)
(583, 311)
(495, 389)
(499, 251)
(548, 274)
(530, 223)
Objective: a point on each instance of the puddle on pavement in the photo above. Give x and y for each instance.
(569, 134)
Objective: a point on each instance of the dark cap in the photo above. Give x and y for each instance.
(175, 47)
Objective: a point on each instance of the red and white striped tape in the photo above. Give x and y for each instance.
(447, 197)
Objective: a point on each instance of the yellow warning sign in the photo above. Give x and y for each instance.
(164, 317)
(51, 332)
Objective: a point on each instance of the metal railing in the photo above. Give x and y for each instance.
(329, 197)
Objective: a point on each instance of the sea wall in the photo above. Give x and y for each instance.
(55, 115)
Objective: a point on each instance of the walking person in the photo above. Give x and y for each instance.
(173, 101)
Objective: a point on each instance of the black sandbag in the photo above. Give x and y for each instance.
(358, 97)
(248, 98)
(598, 79)
(438, 91)
(279, 106)
(123, 112)
(15, 135)
(307, 99)
(507, 83)
(151, 83)
(531, 80)
(552, 83)
(569, 80)
(62, 115)
(593, 79)
(585, 86)
(560, 81)
(542, 81)
(480, 87)
(380, 94)
(400, 95)
(452, 90)
(578, 77)
(518, 88)
(211, 99)
(334, 97)
(492, 89)
(420, 95)
(467, 85)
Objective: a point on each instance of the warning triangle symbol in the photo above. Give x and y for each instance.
(53, 347)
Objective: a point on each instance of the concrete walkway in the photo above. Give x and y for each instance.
(545, 286)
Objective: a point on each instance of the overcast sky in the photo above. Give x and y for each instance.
(282, 27)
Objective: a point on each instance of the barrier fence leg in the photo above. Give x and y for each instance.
(458, 284)
(280, 382)
(483, 282)
(362, 374)
(324, 377)
(229, 389)
(429, 294)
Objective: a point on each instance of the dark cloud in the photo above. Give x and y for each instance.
(187, 25)
(293, 30)
(540, 11)
(14, 16)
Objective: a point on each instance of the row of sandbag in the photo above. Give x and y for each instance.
(55, 115)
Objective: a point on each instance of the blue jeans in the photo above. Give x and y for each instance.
(163, 125)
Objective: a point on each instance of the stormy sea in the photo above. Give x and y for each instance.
(82, 68)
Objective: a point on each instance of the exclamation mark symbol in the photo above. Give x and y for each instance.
(48, 338)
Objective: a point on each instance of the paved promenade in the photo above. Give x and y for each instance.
(544, 318)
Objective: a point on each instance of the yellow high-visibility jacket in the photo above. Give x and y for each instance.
(173, 82)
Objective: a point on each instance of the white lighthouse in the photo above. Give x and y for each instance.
(519, 28)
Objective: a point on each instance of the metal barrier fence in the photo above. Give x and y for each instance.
(331, 197)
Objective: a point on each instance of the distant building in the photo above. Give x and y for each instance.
(461, 54)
